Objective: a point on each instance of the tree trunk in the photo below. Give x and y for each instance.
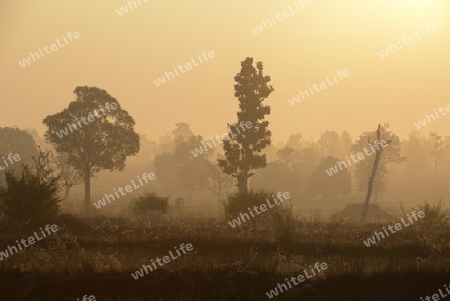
(242, 182)
(66, 192)
(87, 183)
(372, 176)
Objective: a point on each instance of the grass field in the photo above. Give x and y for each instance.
(96, 256)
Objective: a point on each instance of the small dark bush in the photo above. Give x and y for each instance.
(240, 201)
(29, 199)
(148, 203)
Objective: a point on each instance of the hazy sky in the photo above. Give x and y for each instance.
(124, 54)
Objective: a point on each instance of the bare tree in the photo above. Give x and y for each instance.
(70, 176)
(378, 152)
(40, 162)
(217, 182)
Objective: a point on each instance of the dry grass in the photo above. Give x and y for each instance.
(95, 256)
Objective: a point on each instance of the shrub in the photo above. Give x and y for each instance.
(435, 216)
(285, 221)
(240, 201)
(29, 199)
(280, 219)
(149, 203)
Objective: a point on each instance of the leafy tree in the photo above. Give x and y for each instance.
(16, 141)
(329, 186)
(289, 157)
(416, 150)
(166, 169)
(179, 169)
(166, 144)
(307, 160)
(300, 164)
(148, 149)
(275, 177)
(345, 145)
(182, 132)
(295, 141)
(191, 171)
(101, 144)
(243, 147)
(329, 143)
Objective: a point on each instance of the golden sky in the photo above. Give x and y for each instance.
(124, 54)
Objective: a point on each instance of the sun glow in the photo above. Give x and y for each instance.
(418, 8)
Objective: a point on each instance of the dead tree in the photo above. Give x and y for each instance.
(378, 152)
(41, 162)
(217, 182)
(69, 176)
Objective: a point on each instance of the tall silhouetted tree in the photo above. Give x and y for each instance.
(243, 147)
(101, 143)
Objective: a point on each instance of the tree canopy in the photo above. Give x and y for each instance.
(102, 143)
(243, 147)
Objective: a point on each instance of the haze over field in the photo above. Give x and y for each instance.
(224, 150)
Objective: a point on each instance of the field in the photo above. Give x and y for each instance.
(96, 255)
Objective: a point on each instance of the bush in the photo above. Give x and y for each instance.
(29, 199)
(435, 216)
(285, 221)
(149, 203)
(280, 219)
(240, 201)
